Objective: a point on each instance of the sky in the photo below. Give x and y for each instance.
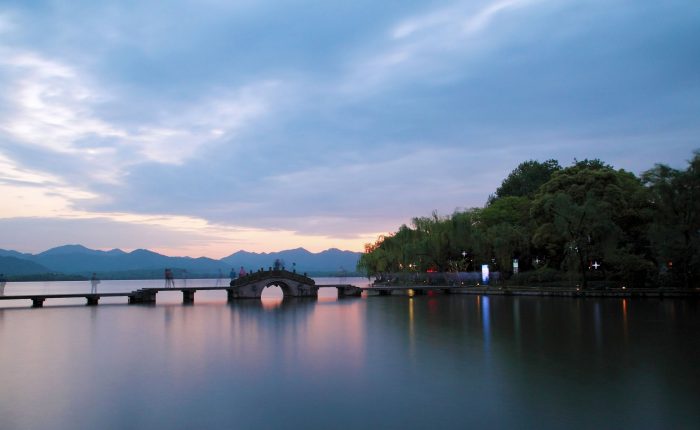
(203, 127)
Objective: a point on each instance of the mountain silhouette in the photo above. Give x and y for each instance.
(13, 266)
(331, 260)
(79, 260)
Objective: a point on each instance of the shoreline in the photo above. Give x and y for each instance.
(412, 290)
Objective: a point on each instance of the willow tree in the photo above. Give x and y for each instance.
(505, 224)
(374, 260)
(590, 211)
(675, 232)
(466, 238)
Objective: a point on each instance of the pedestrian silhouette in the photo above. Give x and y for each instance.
(169, 280)
(93, 283)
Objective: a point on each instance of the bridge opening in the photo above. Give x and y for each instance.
(273, 293)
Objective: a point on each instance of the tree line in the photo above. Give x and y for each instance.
(587, 223)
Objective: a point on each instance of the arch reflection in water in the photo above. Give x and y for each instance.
(272, 296)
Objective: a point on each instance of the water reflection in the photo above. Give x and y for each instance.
(598, 325)
(486, 361)
(270, 304)
(516, 324)
(411, 329)
(272, 297)
(486, 323)
(624, 320)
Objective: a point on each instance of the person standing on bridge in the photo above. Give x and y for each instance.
(93, 283)
(169, 280)
(3, 281)
(241, 273)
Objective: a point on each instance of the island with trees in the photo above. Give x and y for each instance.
(589, 225)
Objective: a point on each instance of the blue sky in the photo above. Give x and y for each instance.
(205, 127)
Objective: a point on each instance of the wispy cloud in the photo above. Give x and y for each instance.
(460, 17)
(48, 104)
(52, 105)
(6, 23)
(419, 46)
(28, 192)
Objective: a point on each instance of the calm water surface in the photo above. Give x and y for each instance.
(373, 362)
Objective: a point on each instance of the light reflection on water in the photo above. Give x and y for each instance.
(376, 362)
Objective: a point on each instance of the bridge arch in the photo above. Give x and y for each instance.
(286, 290)
(292, 284)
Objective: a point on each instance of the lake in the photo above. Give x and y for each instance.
(456, 361)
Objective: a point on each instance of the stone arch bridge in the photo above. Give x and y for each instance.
(293, 284)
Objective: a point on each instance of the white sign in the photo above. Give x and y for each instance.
(485, 273)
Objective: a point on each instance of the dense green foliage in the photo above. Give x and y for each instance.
(527, 178)
(586, 223)
(675, 231)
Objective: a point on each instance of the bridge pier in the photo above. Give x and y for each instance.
(349, 291)
(303, 291)
(188, 296)
(38, 302)
(143, 296)
(385, 292)
(92, 300)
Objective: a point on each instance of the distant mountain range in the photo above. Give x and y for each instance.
(142, 263)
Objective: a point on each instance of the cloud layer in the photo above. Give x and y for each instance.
(262, 126)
